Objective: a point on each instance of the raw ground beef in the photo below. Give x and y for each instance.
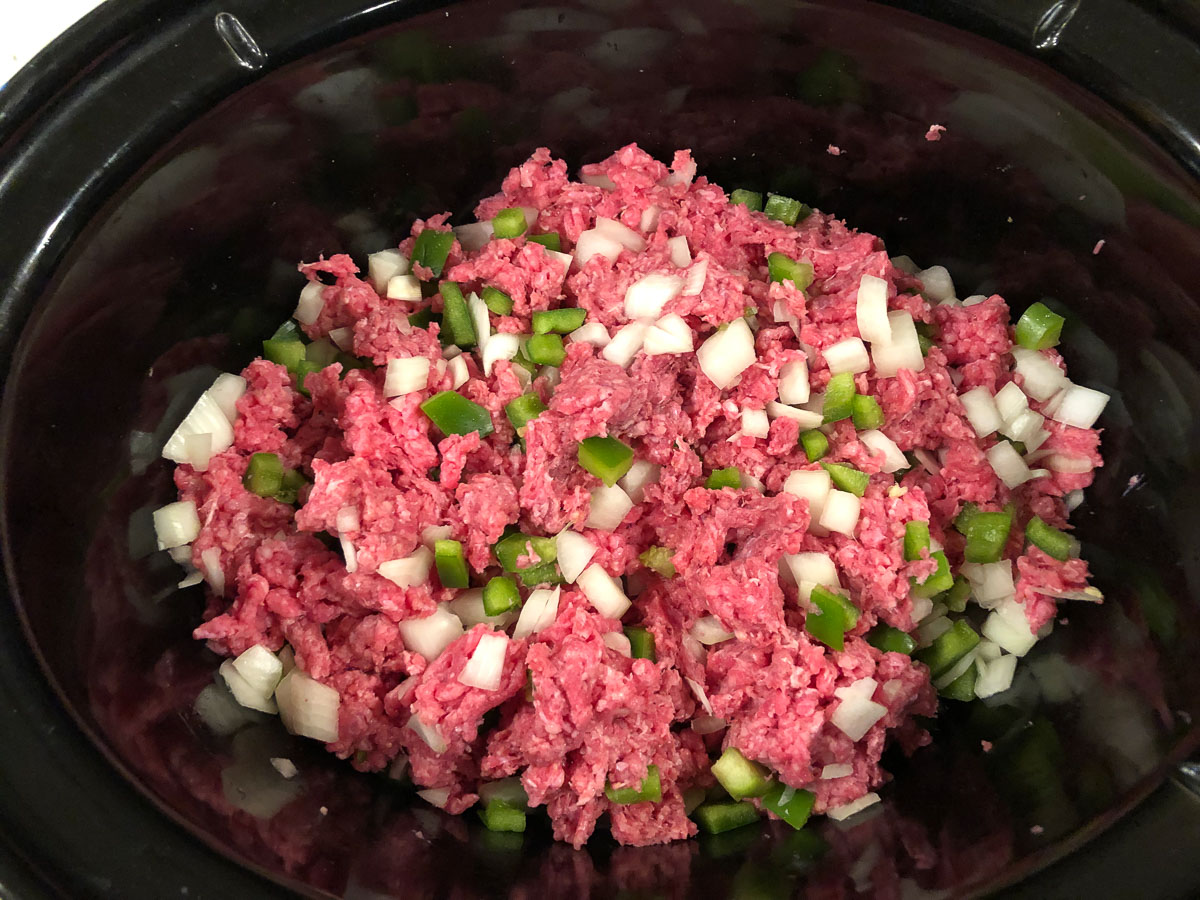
(573, 713)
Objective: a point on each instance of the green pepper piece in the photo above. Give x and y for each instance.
(303, 369)
(866, 412)
(833, 617)
(987, 535)
(641, 642)
(287, 353)
(497, 301)
(941, 580)
(949, 648)
(451, 564)
(815, 444)
(649, 791)
(963, 687)
(431, 248)
(500, 815)
(264, 475)
(717, 818)
(847, 478)
(550, 241)
(658, 559)
(558, 321)
(891, 640)
(458, 327)
(740, 777)
(752, 200)
(1048, 539)
(288, 331)
(290, 486)
(1039, 327)
(956, 598)
(794, 810)
(785, 209)
(423, 317)
(783, 268)
(605, 457)
(729, 477)
(523, 410)
(453, 413)
(546, 349)
(839, 398)
(545, 573)
(916, 540)
(500, 595)
(509, 223)
(510, 548)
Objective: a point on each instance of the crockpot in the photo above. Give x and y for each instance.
(164, 166)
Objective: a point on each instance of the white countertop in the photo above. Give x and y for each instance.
(30, 26)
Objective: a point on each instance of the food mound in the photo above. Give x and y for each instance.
(633, 498)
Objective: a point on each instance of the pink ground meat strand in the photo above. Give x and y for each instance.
(573, 713)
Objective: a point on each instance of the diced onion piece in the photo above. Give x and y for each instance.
(500, 346)
(480, 320)
(681, 254)
(598, 179)
(574, 553)
(1007, 626)
(609, 507)
(793, 382)
(728, 353)
(210, 560)
(343, 338)
(1041, 379)
(1006, 462)
(809, 570)
(205, 418)
(856, 714)
(708, 724)
(243, 692)
(538, 611)
(1079, 406)
(846, 810)
(591, 333)
(564, 260)
(812, 485)
(937, 283)
(433, 740)
(349, 553)
(893, 457)
(226, 391)
(709, 630)
(649, 219)
(474, 235)
(468, 606)
(806, 417)
(902, 349)
(755, 423)
(841, 512)
(931, 629)
(995, 676)
(220, 711)
(973, 300)
(616, 640)
(385, 265)
(991, 583)
(647, 296)
(311, 303)
(641, 473)
(593, 243)
(406, 375)
(622, 234)
(459, 373)
(308, 707)
(670, 334)
(435, 797)
(849, 355)
(1025, 427)
(403, 287)
(981, 411)
(871, 309)
(347, 519)
(952, 674)
(697, 274)
(603, 592)
(261, 669)
(625, 343)
(485, 666)
(1071, 465)
(987, 650)
(432, 634)
(1010, 402)
(176, 524)
(408, 571)
(701, 695)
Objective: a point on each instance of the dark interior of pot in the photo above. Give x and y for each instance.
(1034, 190)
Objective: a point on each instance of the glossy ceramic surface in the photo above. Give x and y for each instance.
(159, 207)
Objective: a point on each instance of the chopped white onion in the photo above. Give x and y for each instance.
(1025, 427)
(210, 559)
(574, 553)
(806, 417)
(809, 570)
(406, 375)
(616, 640)
(609, 507)
(813, 485)
(308, 707)
(220, 712)
(500, 346)
(485, 666)
(284, 766)
(973, 300)
(755, 423)
(905, 263)
(856, 714)
(793, 382)
(640, 474)
(383, 266)
(649, 219)
(981, 410)
(1010, 402)
(836, 770)
(701, 695)
(1071, 465)
(840, 513)
(931, 629)
(564, 260)
(408, 571)
(603, 592)
(957, 670)
(647, 296)
(871, 309)
(728, 353)
(176, 524)
(893, 457)
(430, 736)
(846, 810)
(1006, 462)
(598, 179)
(708, 724)
(468, 606)
(995, 676)
(459, 374)
(343, 338)
(349, 553)
(1007, 626)
(591, 333)
(480, 321)
(991, 583)
(937, 283)
(403, 287)
(697, 274)
(243, 692)
(432, 634)
(1041, 379)
(593, 243)
(670, 334)
(1079, 406)
(206, 418)
(538, 611)
(862, 687)
(680, 253)
(901, 350)
(311, 303)
(625, 343)
(709, 630)
(226, 391)
(622, 234)
(474, 235)
(849, 355)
